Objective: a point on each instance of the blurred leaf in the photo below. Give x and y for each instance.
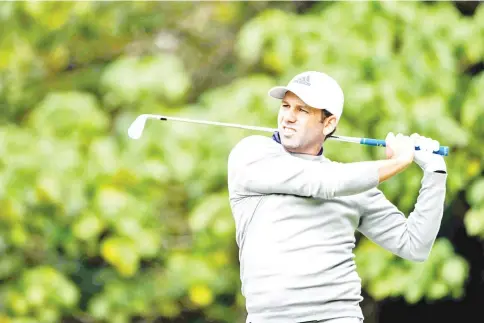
(18, 303)
(371, 260)
(169, 309)
(99, 308)
(204, 214)
(122, 254)
(249, 43)
(131, 79)
(442, 250)
(201, 295)
(110, 202)
(72, 115)
(474, 222)
(12, 211)
(438, 290)
(57, 15)
(472, 108)
(48, 190)
(103, 157)
(148, 243)
(43, 291)
(18, 236)
(454, 271)
(87, 226)
(10, 264)
(414, 293)
(475, 193)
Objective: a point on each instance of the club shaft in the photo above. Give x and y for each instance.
(214, 123)
(443, 150)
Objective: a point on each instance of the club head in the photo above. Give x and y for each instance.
(135, 130)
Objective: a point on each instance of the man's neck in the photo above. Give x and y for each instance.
(317, 150)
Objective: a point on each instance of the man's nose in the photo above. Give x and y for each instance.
(290, 116)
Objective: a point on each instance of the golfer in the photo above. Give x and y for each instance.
(296, 211)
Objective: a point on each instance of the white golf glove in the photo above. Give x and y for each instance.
(425, 157)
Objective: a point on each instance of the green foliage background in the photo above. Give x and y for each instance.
(95, 227)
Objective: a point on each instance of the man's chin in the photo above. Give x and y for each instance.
(289, 144)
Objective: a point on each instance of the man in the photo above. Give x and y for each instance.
(296, 211)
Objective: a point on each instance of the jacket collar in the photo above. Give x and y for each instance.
(277, 138)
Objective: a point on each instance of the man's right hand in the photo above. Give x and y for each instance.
(400, 151)
(400, 148)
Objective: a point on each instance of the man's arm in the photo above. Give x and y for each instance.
(259, 166)
(411, 238)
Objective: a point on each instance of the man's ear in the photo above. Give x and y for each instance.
(330, 125)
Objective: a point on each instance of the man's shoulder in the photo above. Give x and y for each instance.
(253, 143)
(250, 148)
(256, 139)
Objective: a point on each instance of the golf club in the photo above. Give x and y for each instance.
(135, 131)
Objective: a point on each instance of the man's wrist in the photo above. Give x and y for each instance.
(390, 167)
(436, 167)
(402, 162)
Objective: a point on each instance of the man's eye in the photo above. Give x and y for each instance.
(285, 105)
(305, 111)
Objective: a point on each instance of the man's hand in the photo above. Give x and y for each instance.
(425, 157)
(400, 148)
(400, 151)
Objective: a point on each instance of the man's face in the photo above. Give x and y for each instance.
(300, 126)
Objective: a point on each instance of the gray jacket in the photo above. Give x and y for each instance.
(296, 217)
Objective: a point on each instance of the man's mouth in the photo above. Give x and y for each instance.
(288, 131)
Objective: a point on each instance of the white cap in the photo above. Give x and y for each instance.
(316, 89)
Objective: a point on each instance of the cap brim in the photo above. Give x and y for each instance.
(278, 92)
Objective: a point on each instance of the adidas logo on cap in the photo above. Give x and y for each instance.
(303, 80)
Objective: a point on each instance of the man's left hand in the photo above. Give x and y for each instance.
(425, 157)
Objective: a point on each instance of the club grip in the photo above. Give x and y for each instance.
(443, 150)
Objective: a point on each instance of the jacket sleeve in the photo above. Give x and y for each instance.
(411, 238)
(258, 166)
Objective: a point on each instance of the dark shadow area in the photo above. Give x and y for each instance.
(467, 8)
(475, 69)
